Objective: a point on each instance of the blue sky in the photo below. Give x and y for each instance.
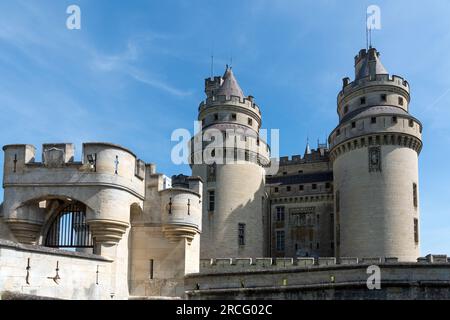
(136, 69)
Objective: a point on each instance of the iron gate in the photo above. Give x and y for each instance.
(69, 229)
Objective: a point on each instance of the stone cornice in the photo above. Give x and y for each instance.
(377, 139)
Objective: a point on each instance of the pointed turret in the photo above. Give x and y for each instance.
(307, 149)
(230, 86)
(368, 63)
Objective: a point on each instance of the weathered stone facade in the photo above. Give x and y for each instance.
(108, 227)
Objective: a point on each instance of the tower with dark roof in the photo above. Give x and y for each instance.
(233, 171)
(374, 151)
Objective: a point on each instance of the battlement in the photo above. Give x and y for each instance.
(320, 154)
(379, 79)
(100, 162)
(230, 265)
(213, 101)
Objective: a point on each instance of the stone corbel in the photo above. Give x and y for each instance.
(26, 232)
(107, 231)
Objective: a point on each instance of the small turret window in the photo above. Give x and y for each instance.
(353, 125)
(233, 116)
(250, 121)
(383, 98)
(416, 231)
(345, 109)
(216, 117)
(415, 195)
(241, 234)
(373, 120)
(400, 101)
(411, 123)
(363, 100)
(212, 200)
(394, 119)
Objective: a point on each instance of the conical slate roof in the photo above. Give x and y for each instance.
(230, 86)
(369, 63)
(307, 149)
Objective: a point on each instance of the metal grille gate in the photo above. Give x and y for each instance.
(69, 229)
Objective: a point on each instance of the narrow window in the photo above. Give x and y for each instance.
(275, 190)
(400, 101)
(211, 200)
(373, 120)
(233, 116)
(411, 123)
(327, 185)
(280, 240)
(416, 231)
(353, 125)
(216, 117)
(383, 98)
(301, 187)
(241, 234)
(345, 109)
(415, 195)
(394, 119)
(250, 121)
(338, 132)
(288, 188)
(151, 267)
(280, 213)
(314, 186)
(362, 100)
(247, 156)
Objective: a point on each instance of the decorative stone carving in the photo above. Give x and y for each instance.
(54, 158)
(375, 159)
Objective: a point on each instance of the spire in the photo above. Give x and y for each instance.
(308, 148)
(368, 63)
(230, 86)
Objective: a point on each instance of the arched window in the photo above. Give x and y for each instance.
(69, 228)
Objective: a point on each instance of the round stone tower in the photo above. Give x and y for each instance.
(374, 151)
(230, 156)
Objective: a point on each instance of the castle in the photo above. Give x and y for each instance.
(108, 226)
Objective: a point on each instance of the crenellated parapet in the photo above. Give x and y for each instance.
(108, 180)
(231, 265)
